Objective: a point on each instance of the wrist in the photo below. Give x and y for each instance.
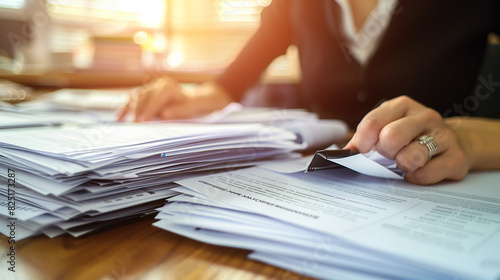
(465, 139)
(478, 138)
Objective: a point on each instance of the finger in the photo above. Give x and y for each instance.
(415, 155)
(124, 112)
(180, 111)
(196, 105)
(129, 107)
(149, 104)
(396, 135)
(165, 93)
(368, 130)
(400, 133)
(350, 145)
(412, 157)
(144, 96)
(449, 165)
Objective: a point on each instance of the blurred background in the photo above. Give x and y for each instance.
(124, 43)
(40, 36)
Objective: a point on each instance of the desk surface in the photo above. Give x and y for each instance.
(135, 251)
(102, 79)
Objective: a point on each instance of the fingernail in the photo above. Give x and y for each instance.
(347, 144)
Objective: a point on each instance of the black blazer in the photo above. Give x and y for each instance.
(431, 51)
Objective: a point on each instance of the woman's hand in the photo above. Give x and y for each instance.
(164, 98)
(394, 128)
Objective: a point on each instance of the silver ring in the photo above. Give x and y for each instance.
(429, 142)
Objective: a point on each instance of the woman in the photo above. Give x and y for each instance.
(355, 54)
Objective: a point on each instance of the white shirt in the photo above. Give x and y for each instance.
(363, 43)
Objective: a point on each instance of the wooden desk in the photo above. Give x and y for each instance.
(102, 79)
(136, 251)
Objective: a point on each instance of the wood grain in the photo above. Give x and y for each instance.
(135, 251)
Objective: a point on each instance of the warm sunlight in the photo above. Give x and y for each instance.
(146, 13)
(175, 59)
(172, 33)
(241, 10)
(151, 12)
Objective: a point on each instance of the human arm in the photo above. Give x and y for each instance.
(463, 144)
(480, 140)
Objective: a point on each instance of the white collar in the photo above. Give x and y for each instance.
(363, 43)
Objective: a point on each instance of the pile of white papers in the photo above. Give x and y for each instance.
(82, 179)
(69, 167)
(339, 224)
(64, 106)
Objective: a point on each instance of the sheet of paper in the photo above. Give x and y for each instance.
(441, 228)
(371, 163)
(290, 239)
(227, 227)
(22, 232)
(364, 165)
(318, 134)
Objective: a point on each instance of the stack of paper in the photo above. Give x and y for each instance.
(83, 179)
(339, 224)
(69, 167)
(64, 106)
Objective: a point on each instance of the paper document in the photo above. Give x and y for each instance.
(448, 231)
(73, 175)
(371, 164)
(65, 106)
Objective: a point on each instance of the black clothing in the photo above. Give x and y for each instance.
(430, 51)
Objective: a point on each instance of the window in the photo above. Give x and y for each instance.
(200, 34)
(181, 34)
(12, 4)
(208, 34)
(190, 35)
(115, 13)
(76, 20)
(13, 33)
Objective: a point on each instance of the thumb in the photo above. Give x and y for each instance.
(350, 145)
(122, 113)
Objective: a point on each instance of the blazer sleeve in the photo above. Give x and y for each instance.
(271, 40)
